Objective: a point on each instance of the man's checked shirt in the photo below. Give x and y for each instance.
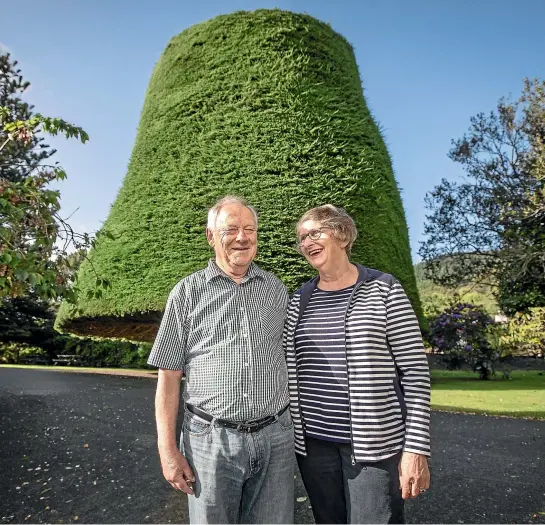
(227, 340)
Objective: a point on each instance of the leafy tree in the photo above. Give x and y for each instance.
(18, 158)
(34, 238)
(493, 221)
(523, 281)
(36, 267)
(30, 225)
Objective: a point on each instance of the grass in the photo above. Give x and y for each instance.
(461, 391)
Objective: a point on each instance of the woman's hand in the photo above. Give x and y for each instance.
(414, 475)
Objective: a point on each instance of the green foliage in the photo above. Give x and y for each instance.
(30, 224)
(13, 353)
(17, 158)
(461, 334)
(519, 292)
(29, 220)
(104, 352)
(90, 351)
(267, 105)
(525, 334)
(523, 279)
(28, 321)
(494, 221)
(435, 298)
(26, 327)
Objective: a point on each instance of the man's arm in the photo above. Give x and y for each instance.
(176, 469)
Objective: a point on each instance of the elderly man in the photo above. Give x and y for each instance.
(222, 329)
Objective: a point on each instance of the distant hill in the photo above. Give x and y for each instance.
(436, 298)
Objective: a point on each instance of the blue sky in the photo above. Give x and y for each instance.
(427, 66)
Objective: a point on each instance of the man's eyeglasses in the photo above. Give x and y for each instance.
(313, 235)
(233, 232)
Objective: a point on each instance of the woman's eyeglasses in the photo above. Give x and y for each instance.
(313, 235)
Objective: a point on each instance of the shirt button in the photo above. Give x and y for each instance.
(245, 395)
(245, 364)
(244, 334)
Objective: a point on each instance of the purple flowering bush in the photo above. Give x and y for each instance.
(461, 333)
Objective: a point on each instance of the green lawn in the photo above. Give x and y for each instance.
(521, 396)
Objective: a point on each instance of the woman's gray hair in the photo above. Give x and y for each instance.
(214, 211)
(337, 219)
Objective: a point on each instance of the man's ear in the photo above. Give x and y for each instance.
(210, 237)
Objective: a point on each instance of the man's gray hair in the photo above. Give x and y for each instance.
(214, 211)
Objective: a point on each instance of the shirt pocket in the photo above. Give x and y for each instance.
(272, 322)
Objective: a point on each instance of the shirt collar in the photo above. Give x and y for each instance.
(213, 271)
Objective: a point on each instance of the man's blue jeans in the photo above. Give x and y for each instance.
(240, 477)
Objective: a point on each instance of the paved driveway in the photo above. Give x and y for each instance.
(81, 448)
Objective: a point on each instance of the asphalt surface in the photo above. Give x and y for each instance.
(80, 448)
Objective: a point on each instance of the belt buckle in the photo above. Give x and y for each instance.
(248, 427)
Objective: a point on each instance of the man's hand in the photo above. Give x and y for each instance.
(177, 471)
(414, 476)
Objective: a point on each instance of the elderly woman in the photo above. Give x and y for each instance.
(359, 381)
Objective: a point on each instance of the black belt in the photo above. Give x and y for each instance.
(249, 426)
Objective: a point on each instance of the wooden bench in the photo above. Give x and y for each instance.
(68, 360)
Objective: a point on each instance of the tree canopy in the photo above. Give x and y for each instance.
(35, 240)
(18, 158)
(494, 221)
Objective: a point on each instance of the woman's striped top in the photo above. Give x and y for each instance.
(321, 364)
(388, 375)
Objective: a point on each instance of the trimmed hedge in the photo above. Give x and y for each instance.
(267, 105)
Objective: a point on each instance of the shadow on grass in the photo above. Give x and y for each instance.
(534, 382)
(531, 414)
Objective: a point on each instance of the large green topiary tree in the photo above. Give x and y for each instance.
(267, 105)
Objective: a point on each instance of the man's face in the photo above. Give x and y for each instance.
(234, 237)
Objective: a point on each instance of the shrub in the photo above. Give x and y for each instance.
(14, 352)
(267, 105)
(525, 333)
(462, 334)
(106, 352)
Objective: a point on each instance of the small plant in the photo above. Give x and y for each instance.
(461, 334)
(506, 371)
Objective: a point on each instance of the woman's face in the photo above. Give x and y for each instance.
(319, 247)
